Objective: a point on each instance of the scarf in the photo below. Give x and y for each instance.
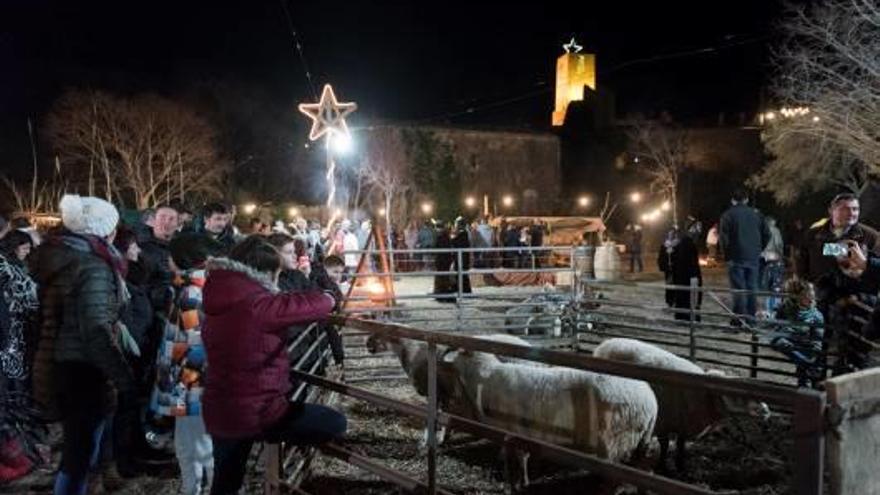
(109, 254)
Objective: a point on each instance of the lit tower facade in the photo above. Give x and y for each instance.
(574, 70)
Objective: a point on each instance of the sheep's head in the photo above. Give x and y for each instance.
(377, 343)
(738, 406)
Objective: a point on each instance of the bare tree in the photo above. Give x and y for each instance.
(661, 152)
(801, 165)
(385, 170)
(145, 149)
(608, 209)
(828, 63)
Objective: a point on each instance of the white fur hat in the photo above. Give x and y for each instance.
(88, 215)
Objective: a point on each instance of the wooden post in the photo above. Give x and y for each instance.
(753, 372)
(272, 464)
(809, 443)
(853, 448)
(692, 327)
(432, 418)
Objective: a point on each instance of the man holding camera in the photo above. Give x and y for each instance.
(824, 241)
(844, 299)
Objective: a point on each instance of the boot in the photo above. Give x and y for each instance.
(96, 484)
(113, 481)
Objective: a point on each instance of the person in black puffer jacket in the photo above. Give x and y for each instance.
(80, 365)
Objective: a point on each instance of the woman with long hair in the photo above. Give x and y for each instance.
(17, 338)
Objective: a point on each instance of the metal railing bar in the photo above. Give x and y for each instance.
(759, 390)
(560, 454)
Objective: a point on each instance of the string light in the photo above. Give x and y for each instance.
(427, 208)
(470, 202)
(584, 201)
(293, 212)
(507, 200)
(635, 197)
(249, 209)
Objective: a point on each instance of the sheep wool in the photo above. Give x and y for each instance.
(605, 415)
(685, 412)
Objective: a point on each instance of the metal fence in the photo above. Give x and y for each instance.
(701, 332)
(579, 313)
(807, 407)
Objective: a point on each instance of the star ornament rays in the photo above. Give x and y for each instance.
(572, 46)
(328, 115)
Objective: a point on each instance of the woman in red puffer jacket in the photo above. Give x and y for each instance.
(247, 386)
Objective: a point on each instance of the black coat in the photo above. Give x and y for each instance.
(680, 264)
(80, 305)
(155, 256)
(461, 241)
(297, 281)
(444, 284)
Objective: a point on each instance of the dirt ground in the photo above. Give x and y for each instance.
(739, 454)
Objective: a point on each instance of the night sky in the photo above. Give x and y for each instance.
(427, 62)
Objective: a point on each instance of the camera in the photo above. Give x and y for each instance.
(835, 249)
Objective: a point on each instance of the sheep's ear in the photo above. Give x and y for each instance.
(449, 356)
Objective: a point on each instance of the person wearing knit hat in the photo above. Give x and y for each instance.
(80, 361)
(88, 215)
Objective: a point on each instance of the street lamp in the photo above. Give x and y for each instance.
(341, 143)
(584, 201)
(635, 197)
(507, 200)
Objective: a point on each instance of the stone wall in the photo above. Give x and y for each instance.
(523, 165)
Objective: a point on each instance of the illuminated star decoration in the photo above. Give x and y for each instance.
(328, 115)
(328, 118)
(572, 45)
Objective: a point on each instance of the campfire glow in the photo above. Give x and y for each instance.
(374, 287)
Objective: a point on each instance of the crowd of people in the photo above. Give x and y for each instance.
(164, 338)
(167, 334)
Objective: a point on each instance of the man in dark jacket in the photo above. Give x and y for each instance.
(216, 219)
(823, 271)
(743, 235)
(79, 356)
(156, 256)
(836, 289)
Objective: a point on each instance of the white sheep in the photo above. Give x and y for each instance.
(685, 413)
(413, 356)
(605, 415)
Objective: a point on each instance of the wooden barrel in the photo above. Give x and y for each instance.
(607, 262)
(583, 260)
